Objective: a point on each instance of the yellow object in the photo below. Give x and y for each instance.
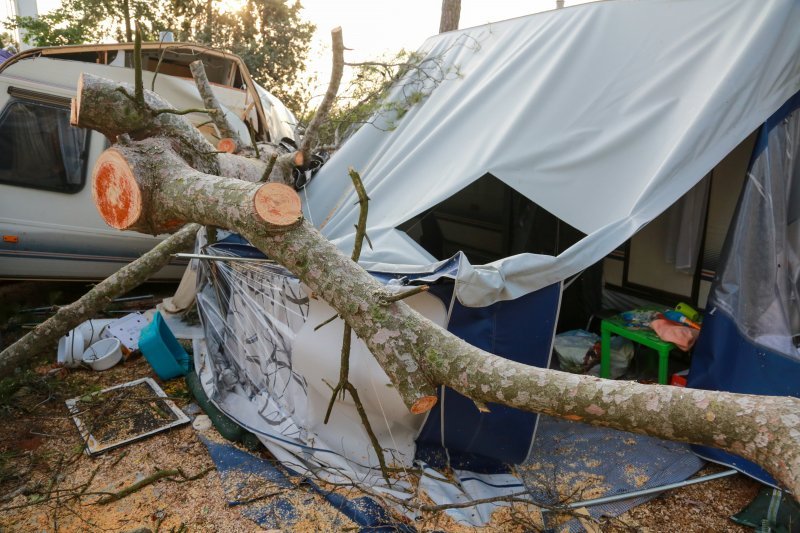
(688, 311)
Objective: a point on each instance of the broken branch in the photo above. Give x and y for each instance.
(344, 384)
(391, 298)
(324, 108)
(226, 131)
(149, 480)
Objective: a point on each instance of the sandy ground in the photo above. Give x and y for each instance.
(48, 484)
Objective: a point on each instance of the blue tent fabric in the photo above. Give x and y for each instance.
(520, 330)
(578, 461)
(236, 468)
(234, 465)
(725, 360)
(748, 343)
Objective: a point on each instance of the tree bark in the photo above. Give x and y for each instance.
(451, 13)
(419, 356)
(130, 196)
(110, 108)
(128, 277)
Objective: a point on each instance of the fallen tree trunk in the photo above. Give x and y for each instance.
(125, 279)
(419, 356)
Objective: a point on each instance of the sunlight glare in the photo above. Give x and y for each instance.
(230, 6)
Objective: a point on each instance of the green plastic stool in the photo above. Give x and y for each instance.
(645, 337)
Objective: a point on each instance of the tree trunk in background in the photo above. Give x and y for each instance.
(451, 13)
(209, 21)
(126, 14)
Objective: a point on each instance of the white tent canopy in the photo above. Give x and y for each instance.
(603, 114)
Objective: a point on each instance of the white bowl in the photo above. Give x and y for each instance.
(103, 354)
(91, 330)
(70, 348)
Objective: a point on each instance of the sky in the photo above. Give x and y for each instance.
(372, 28)
(378, 27)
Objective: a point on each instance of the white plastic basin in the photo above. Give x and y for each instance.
(103, 354)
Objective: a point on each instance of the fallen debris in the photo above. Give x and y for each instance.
(123, 413)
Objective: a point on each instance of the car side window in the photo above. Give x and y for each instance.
(39, 148)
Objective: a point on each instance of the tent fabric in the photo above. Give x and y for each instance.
(456, 434)
(603, 114)
(243, 474)
(750, 341)
(266, 366)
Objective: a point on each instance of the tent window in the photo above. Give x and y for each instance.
(39, 148)
(488, 220)
(675, 257)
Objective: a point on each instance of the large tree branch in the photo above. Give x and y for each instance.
(260, 212)
(130, 196)
(128, 277)
(108, 107)
(418, 356)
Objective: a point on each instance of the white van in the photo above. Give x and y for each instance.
(49, 228)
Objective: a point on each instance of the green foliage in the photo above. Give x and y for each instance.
(269, 35)
(364, 97)
(87, 21)
(380, 93)
(7, 40)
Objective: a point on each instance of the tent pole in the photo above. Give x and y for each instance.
(643, 492)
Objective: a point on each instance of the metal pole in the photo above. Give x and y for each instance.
(643, 492)
(224, 258)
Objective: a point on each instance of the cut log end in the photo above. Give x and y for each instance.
(116, 194)
(278, 205)
(299, 159)
(423, 405)
(227, 144)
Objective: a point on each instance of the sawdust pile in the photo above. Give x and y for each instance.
(47, 483)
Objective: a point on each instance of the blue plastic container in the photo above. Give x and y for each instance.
(162, 350)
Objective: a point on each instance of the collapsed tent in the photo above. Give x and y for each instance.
(270, 364)
(603, 115)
